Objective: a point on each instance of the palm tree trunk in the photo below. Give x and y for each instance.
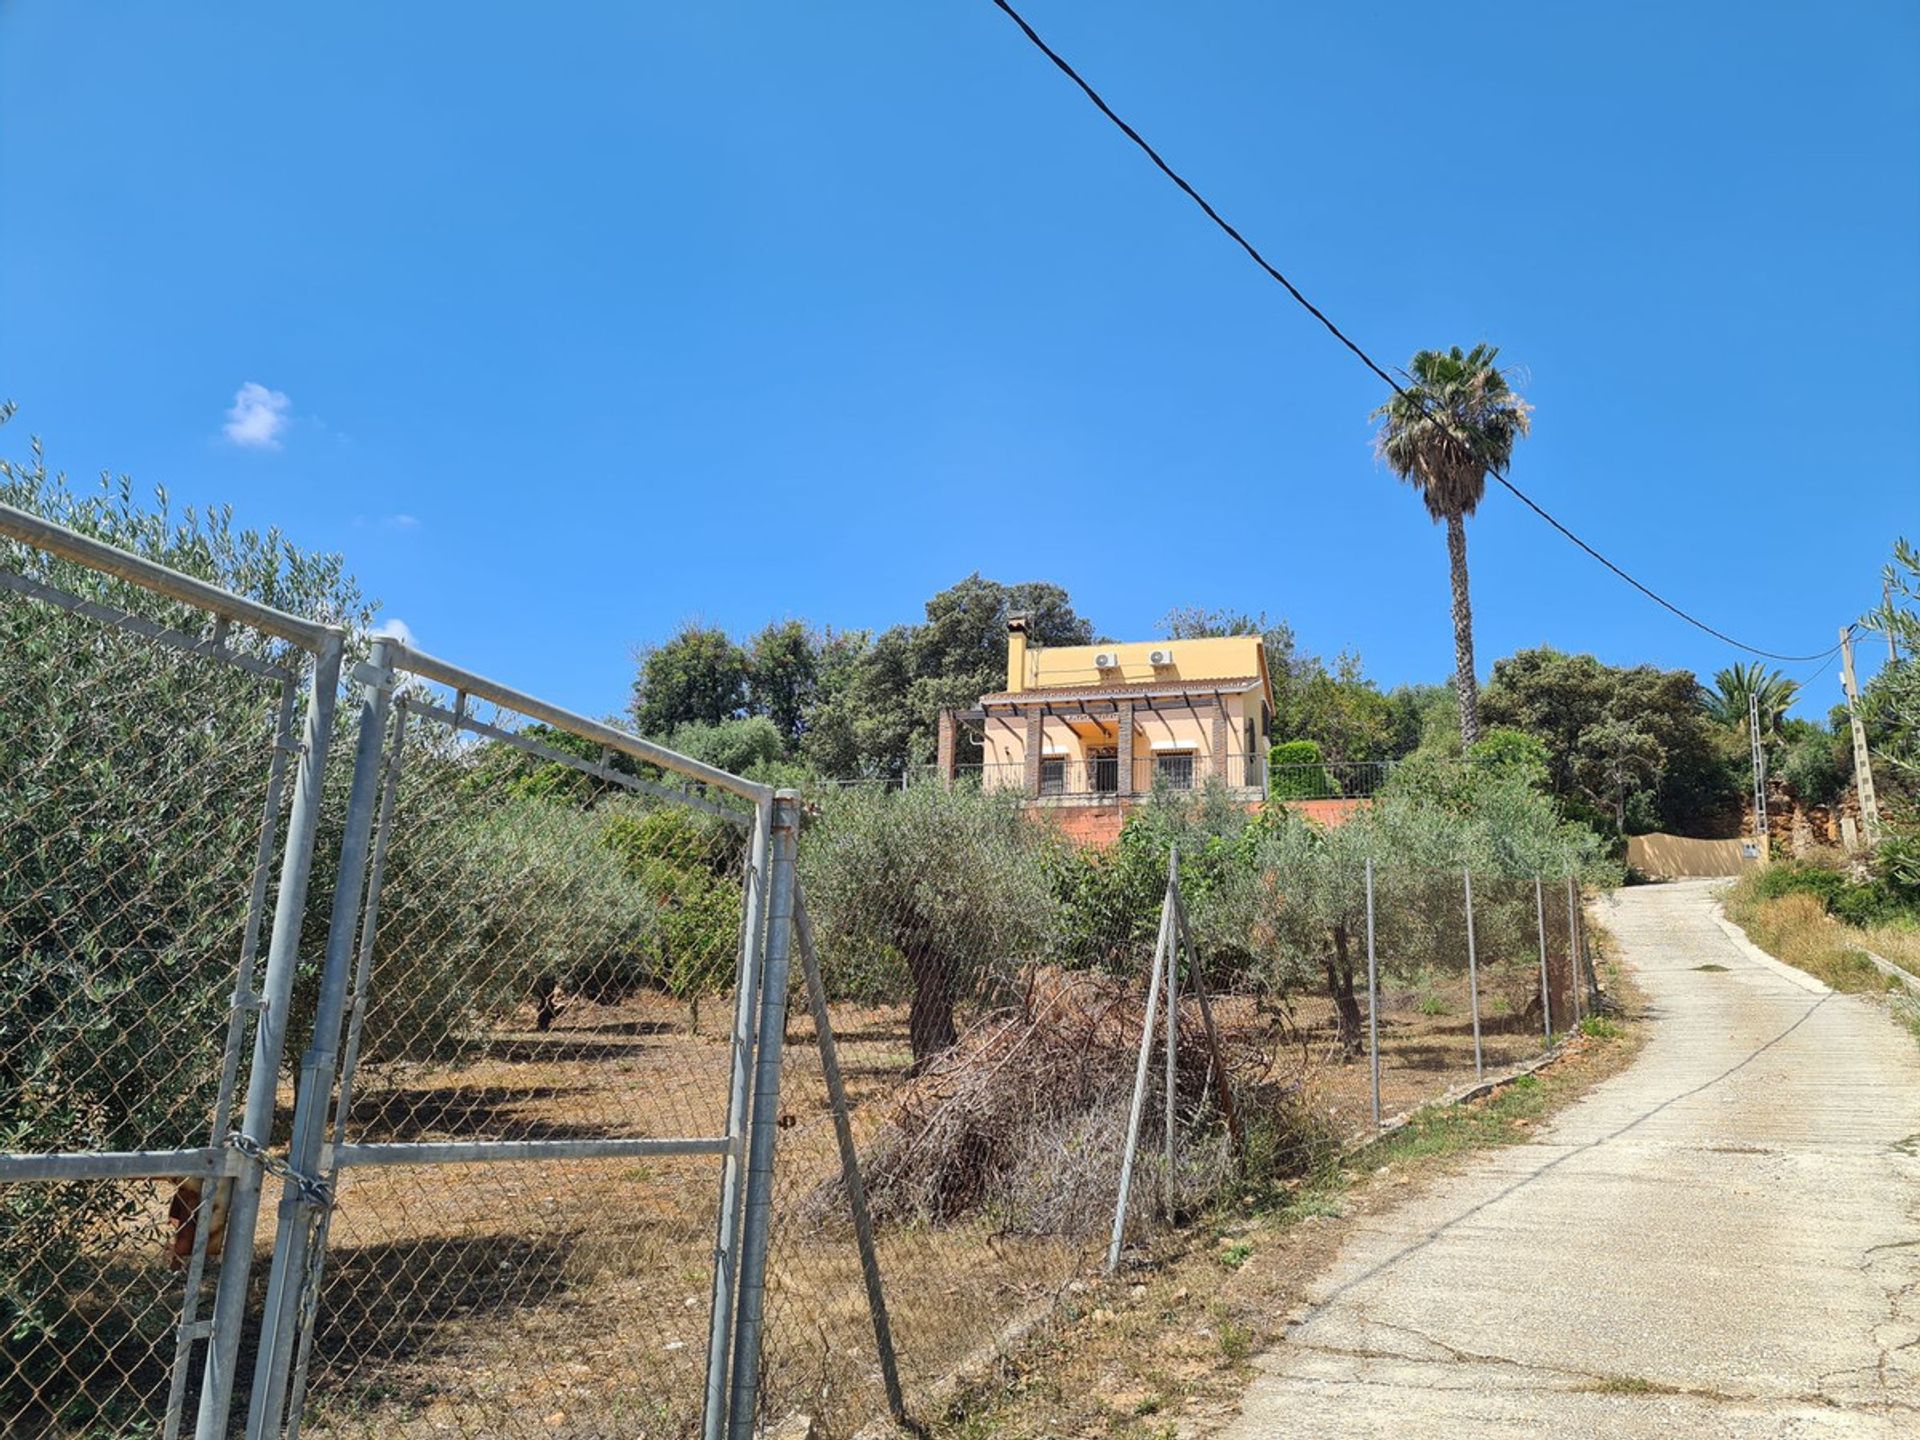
(1465, 685)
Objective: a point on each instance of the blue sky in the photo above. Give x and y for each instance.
(569, 323)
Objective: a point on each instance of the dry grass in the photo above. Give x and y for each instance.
(1897, 943)
(1797, 929)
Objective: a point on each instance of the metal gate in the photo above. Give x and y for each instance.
(514, 1108)
(157, 818)
(520, 1180)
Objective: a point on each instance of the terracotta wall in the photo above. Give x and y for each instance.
(1097, 826)
(1327, 813)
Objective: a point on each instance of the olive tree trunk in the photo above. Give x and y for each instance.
(1346, 1006)
(930, 1027)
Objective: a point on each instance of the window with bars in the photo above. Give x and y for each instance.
(1174, 769)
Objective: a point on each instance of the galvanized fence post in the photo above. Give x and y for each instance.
(726, 1242)
(1170, 905)
(769, 1052)
(1573, 958)
(1373, 1001)
(304, 1195)
(350, 1059)
(849, 1159)
(241, 1005)
(1546, 990)
(269, 1040)
(1473, 978)
(1139, 1104)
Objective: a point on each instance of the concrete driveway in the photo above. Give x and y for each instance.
(1724, 1240)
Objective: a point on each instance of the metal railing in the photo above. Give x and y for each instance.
(1099, 777)
(1329, 780)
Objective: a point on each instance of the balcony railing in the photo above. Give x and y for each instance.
(1329, 780)
(1097, 777)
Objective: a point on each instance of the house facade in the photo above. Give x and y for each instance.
(1098, 727)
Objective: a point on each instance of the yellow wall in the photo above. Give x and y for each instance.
(1674, 857)
(1171, 728)
(1047, 667)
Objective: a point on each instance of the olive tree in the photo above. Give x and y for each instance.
(933, 891)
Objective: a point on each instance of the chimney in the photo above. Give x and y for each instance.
(1017, 650)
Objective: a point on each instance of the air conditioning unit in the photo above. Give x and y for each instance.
(1106, 660)
(1160, 657)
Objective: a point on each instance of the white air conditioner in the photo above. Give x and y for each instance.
(1160, 657)
(1106, 660)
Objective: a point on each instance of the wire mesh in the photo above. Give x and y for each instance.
(988, 984)
(1426, 1000)
(989, 1035)
(553, 964)
(144, 747)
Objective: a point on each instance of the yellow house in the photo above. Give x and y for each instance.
(1082, 725)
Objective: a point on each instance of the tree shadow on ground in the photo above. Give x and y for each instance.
(490, 1112)
(559, 1048)
(1424, 1057)
(390, 1311)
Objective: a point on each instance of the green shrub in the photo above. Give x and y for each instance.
(688, 865)
(1295, 772)
(1882, 900)
(1796, 877)
(1512, 750)
(494, 901)
(1815, 770)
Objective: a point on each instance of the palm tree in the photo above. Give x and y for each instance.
(1727, 702)
(1456, 419)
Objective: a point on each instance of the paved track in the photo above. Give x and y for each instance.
(1722, 1241)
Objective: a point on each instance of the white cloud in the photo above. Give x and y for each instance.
(402, 522)
(394, 626)
(258, 417)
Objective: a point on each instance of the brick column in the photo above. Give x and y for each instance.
(1035, 732)
(943, 757)
(1220, 760)
(1125, 761)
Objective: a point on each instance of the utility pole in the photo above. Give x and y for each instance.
(1862, 766)
(1760, 832)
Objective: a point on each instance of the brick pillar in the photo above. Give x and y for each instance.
(943, 757)
(1125, 761)
(1035, 731)
(1220, 760)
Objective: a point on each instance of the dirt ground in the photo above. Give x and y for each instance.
(572, 1299)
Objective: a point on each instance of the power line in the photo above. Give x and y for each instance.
(1274, 273)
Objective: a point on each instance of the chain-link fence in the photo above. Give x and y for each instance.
(510, 1075)
(997, 1000)
(158, 800)
(486, 1132)
(534, 1087)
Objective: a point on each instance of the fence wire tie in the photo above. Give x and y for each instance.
(311, 1189)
